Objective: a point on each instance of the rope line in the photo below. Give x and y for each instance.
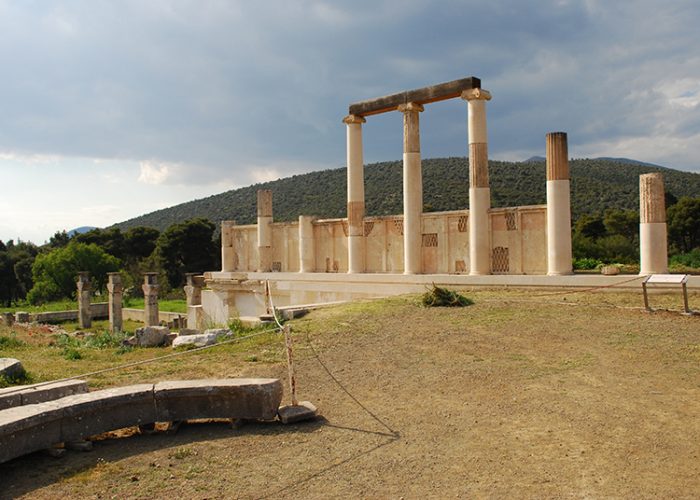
(139, 363)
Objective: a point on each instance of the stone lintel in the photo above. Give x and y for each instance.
(425, 95)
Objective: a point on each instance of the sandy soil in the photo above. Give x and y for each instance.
(505, 398)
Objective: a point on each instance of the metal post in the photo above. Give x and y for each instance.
(685, 298)
(290, 363)
(646, 299)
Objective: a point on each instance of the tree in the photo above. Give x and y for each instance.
(622, 222)
(110, 240)
(684, 224)
(139, 242)
(590, 226)
(59, 239)
(187, 247)
(55, 272)
(7, 278)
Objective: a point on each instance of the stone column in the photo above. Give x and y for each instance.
(150, 299)
(307, 254)
(558, 206)
(264, 230)
(653, 244)
(115, 289)
(412, 189)
(356, 194)
(84, 293)
(228, 252)
(479, 191)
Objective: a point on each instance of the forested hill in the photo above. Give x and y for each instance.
(595, 185)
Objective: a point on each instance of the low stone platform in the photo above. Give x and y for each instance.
(33, 427)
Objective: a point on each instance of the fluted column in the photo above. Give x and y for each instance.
(412, 189)
(558, 206)
(264, 230)
(150, 299)
(653, 239)
(356, 194)
(307, 256)
(84, 293)
(115, 289)
(228, 251)
(479, 191)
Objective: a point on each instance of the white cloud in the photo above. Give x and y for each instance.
(154, 172)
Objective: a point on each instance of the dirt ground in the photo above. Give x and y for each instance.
(515, 396)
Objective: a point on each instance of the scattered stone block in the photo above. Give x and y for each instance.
(219, 331)
(189, 331)
(151, 336)
(200, 340)
(25, 429)
(11, 368)
(305, 410)
(609, 270)
(8, 318)
(170, 338)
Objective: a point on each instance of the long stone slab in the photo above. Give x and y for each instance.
(253, 398)
(425, 95)
(32, 394)
(33, 427)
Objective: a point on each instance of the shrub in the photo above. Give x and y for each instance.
(586, 264)
(689, 259)
(442, 297)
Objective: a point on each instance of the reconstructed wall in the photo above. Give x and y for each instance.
(518, 243)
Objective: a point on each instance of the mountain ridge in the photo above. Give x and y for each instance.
(596, 185)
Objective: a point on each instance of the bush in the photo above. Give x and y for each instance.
(586, 264)
(689, 259)
(442, 297)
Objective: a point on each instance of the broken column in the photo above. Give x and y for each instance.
(193, 294)
(150, 299)
(653, 244)
(412, 189)
(307, 256)
(115, 289)
(356, 194)
(84, 292)
(479, 191)
(264, 230)
(228, 251)
(558, 206)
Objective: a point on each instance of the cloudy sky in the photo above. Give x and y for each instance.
(110, 109)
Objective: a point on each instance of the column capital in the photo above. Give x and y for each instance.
(354, 119)
(410, 106)
(476, 95)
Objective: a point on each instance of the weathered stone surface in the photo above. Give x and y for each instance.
(305, 410)
(219, 331)
(11, 368)
(609, 270)
(151, 336)
(189, 331)
(25, 429)
(200, 340)
(100, 411)
(33, 394)
(22, 317)
(228, 398)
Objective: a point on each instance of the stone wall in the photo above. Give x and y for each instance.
(518, 243)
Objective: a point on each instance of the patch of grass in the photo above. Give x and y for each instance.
(169, 305)
(182, 453)
(11, 341)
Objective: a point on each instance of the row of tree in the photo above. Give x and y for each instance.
(46, 273)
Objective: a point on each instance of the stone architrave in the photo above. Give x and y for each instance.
(150, 298)
(307, 255)
(653, 237)
(558, 206)
(115, 289)
(356, 194)
(84, 293)
(412, 189)
(479, 190)
(264, 230)
(229, 260)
